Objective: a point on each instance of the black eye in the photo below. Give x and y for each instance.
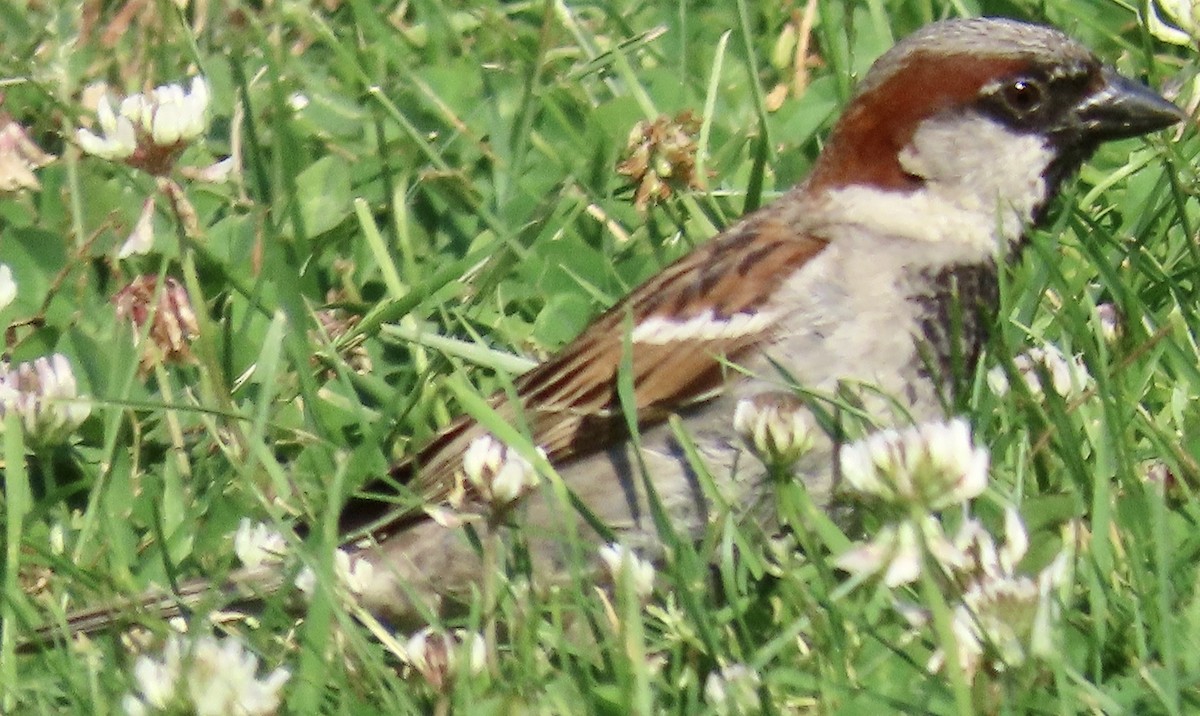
(1023, 96)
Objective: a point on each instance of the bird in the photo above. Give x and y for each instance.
(854, 300)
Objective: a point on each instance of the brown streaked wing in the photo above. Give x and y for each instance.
(570, 400)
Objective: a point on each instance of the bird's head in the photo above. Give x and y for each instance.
(983, 116)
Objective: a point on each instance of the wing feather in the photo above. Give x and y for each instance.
(702, 311)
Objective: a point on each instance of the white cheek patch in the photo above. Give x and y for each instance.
(660, 330)
(982, 183)
(980, 166)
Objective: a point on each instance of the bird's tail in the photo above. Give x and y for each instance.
(241, 589)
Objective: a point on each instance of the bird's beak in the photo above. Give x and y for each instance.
(1122, 108)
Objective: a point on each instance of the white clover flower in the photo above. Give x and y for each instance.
(496, 473)
(438, 656)
(44, 394)
(141, 239)
(733, 690)
(216, 173)
(8, 287)
(621, 563)
(931, 466)
(1004, 618)
(168, 114)
(1179, 23)
(169, 120)
(256, 544)
(118, 139)
(777, 430)
(148, 130)
(306, 581)
(980, 554)
(206, 677)
(895, 551)
(229, 684)
(353, 573)
(1068, 376)
(158, 681)
(1000, 613)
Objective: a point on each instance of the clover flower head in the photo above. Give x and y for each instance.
(1068, 375)
(660, 158)
(733, 690)
(896, 552)
(496, 474)
(777, 428)
(440, 657)
(354, 574)
(1003, 618)
(168, 311)
(929, 466)
(622, 563)
(44, 395)
(206, 677)
(257, 544)
(149, 130)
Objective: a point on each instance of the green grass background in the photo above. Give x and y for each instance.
(442, 182)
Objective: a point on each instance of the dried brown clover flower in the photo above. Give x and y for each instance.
(661, 158)
(172, 321)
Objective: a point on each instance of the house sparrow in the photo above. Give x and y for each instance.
(855, 299)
